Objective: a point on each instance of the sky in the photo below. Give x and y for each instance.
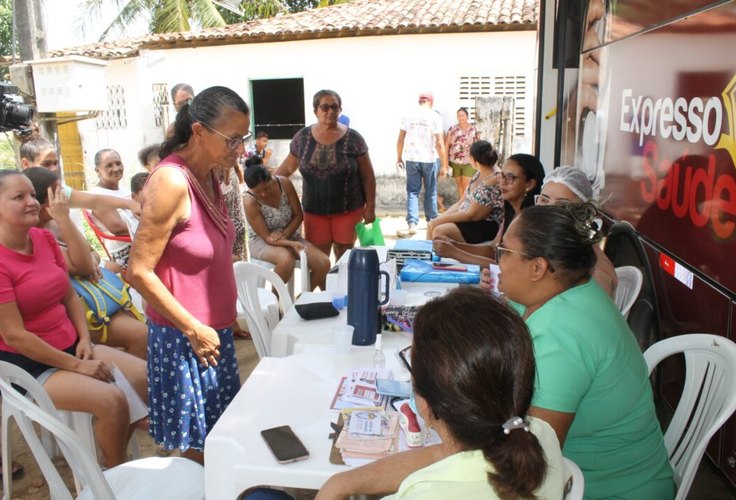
(62, 21)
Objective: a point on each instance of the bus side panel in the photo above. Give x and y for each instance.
(656, 130)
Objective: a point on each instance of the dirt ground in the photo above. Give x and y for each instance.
(32, 485)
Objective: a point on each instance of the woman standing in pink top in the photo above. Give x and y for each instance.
(181, 262)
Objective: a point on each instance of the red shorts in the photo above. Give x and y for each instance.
(338, 228)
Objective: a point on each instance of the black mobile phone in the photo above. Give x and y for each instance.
(284, 444)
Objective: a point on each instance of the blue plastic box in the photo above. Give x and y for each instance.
(421, 271)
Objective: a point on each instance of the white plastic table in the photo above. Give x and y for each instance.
(292, 329)
(296, 391)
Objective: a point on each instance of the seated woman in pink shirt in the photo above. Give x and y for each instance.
(43, 329)
(124, 330)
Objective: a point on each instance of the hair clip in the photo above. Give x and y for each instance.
(515, 423)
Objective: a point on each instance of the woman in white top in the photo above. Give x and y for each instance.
(109, 168)
(473, 370)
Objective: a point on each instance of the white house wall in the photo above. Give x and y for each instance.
(379, 79)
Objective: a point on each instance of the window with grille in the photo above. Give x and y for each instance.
(499, 86)
(160, 103)
(115, 116)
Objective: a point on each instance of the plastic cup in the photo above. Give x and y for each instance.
(398, 297)
(343, 335)
(338, 300)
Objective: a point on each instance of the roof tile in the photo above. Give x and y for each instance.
(350, 19)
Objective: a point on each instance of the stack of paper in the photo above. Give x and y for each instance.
(367, 435)
(359, 389)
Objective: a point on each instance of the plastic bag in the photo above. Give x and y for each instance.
(370, 234)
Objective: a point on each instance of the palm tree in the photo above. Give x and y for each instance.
(165, 16)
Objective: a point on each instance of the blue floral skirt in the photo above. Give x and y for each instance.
(184, 397)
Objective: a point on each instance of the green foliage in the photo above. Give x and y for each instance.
(7, 152)
(165, 16)
(6, 34)
(6, 27)
(89, 235)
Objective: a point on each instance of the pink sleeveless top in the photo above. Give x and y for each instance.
(196, 265)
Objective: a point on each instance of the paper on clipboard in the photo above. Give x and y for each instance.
(136, 407)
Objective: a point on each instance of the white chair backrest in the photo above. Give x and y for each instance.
(304, 271)
(247, 278)
(708, 398)
(630, 280)
(25, 412)
(574, 480)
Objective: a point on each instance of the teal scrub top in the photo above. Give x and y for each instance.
(589, 363)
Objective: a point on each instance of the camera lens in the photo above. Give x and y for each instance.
(15, 114)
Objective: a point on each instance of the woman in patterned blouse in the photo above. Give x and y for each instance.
(457, 144)
(339, 187)
(477, 216)
(274, 216)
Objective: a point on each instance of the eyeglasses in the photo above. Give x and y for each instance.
(326, 107)
(232, 143)
(501, 250)
(405, 357)
(507, 178)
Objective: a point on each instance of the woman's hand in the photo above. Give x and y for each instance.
(88, 365)
(84, 350)
(369, 214)
(95, 276)
(205, 344)
(443, 247)
(276, 236)
(297, 246)
(487, 282)
(96, 369)
(58, 204)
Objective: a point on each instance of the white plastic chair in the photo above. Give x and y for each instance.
(630, 280)
(301, 263)
(247, 279)
(574, 480)
(141, 479)
(79, 422)
(708, 398)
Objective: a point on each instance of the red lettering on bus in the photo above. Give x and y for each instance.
(689, 191)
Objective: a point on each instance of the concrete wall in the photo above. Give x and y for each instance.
(378, 78)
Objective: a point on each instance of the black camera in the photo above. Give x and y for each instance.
(14, 113)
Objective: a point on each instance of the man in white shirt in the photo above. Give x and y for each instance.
(420, 142)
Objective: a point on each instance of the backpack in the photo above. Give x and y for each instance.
(104, 298)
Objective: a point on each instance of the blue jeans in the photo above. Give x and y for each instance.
(416, 173)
